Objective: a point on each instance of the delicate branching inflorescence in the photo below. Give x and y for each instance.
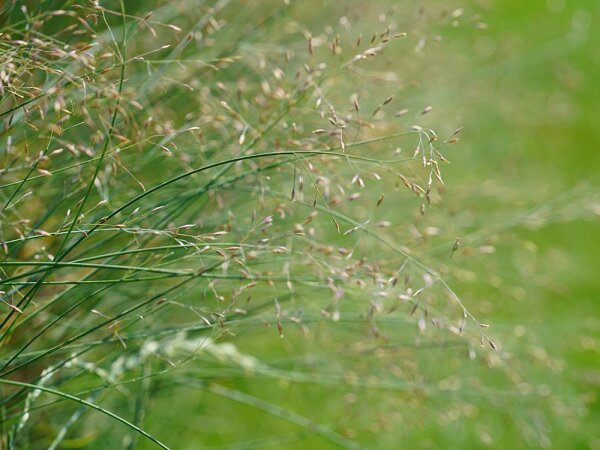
(190, 171)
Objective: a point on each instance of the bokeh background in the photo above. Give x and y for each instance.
(521, 77)
(516, 234)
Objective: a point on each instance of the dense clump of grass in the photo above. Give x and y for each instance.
(175, 174)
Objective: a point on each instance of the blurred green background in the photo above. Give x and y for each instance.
(522, 195)
(522, 77)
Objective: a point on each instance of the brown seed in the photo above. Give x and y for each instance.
(14, 308)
